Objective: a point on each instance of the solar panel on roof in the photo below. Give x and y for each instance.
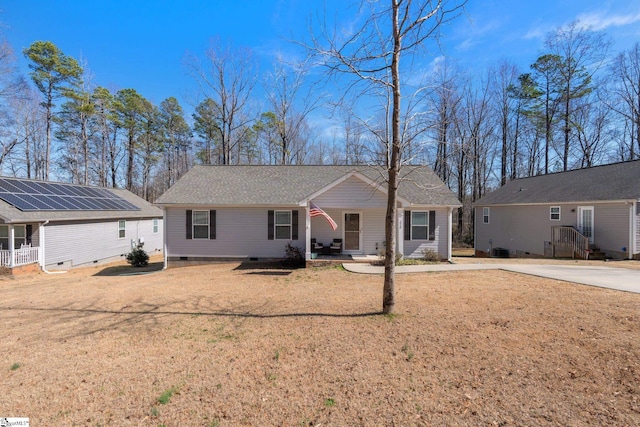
(53, 201)
(8, 187)
(34, 196)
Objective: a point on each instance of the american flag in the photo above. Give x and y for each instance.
(316, 211)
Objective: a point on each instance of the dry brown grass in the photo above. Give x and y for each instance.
(239, 346)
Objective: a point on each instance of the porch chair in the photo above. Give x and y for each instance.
(336, 247)
(316, 247)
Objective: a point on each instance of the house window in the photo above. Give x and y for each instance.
(419, 225)
(554, 213)
(155, 225)
(200, 224)
(122, 229)
(485, 215)
(283, 224)
(19, 236)
(4, 237)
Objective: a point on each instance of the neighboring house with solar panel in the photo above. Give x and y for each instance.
(57, 226)
(253, 212)
(583, 213)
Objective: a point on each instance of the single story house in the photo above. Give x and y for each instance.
(564, 214)
(58, 226)
(253, 212)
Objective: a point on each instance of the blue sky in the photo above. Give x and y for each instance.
(142, 44)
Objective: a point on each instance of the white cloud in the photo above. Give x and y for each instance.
(601, 22)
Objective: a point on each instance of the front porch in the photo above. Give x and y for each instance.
(18, 257)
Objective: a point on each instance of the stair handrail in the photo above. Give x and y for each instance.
(570, 237)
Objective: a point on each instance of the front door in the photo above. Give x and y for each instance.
(585, 221)
(352, 232)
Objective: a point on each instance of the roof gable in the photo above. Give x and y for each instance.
(618, 181)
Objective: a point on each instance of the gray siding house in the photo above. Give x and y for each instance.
(570, 214)
(253, 212)
(58, 226)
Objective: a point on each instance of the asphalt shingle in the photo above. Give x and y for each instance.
(290, 185)
(618, 181)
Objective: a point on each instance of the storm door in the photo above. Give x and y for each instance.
(585, 221)
(352, 234)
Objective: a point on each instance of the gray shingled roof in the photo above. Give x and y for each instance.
(12, 215)
(290, 185)
(618, 181)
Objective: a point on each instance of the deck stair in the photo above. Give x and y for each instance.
(596, 253)
(566, 241)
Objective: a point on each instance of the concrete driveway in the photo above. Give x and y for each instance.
(621, 279)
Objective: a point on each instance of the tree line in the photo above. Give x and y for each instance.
(576, 105)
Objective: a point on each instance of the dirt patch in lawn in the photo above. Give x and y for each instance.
(217, 345)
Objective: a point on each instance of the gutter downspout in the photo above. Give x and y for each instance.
(164, 237)
(449, 234)
(42, 250)
(632, 229)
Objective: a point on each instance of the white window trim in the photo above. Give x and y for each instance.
(551, 218)
(426, 225)
(194, 225)
(155, 226)
(486, 215)
(122, 221)
(276, 225)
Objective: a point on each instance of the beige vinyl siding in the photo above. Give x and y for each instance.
(353, 193)
(520, 228)
(240, 233)
(637, 249)
(611, 228)
(415, 248)
(373, 229)
(77, 243)
(525, 229)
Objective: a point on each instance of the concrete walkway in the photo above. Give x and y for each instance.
(621, 279)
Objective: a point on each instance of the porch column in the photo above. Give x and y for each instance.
(400, 236)
(12, 251)
(307, 234)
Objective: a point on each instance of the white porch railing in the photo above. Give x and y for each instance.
(569, 239)
(22, 256)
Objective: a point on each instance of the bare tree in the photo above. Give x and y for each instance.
(11, 87)
(625, 88)
(227, 79)
(371, 55)
(29, 133)
(291, 101)
(444, 101)
(581, 52)
(592, 131)
(503, 78)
